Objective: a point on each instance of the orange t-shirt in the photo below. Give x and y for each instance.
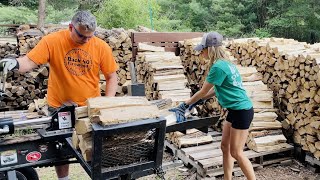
(74, 68)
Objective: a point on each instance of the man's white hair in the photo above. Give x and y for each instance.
(85, 19)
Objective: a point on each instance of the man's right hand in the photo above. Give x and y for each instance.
(8, 64)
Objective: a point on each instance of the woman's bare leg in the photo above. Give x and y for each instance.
(228, 161)
(237, 141)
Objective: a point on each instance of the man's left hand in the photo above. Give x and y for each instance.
(180, 112)
(8, 64)
(199, 102)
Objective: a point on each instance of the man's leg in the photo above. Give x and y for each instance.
(62, 171)
(228, 161)
(237, 142)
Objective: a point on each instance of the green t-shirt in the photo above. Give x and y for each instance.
(228, 86)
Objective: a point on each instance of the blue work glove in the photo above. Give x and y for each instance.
(200, 101)
(180, 112)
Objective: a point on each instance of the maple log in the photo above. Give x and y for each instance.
(98, 103)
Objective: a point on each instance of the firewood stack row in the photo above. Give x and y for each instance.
(265, 132)
(193, 137)
(291, 70)
(22, 89)
(162, 74)
(27, 40)
(107, 111)
(8, 50)
(120, 42)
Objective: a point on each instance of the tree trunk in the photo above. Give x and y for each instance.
(41, 14)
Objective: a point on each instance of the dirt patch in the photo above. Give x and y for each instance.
(76, 173)
(296, 171)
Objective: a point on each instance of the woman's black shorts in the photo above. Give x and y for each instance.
(240, 119)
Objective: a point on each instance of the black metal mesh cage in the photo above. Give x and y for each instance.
(129, 148)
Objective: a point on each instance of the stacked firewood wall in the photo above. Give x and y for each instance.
(22, 89)
(8, 50)
(196, 69)
(162, 74)
(27, 40)
(110, 111)
(120, 42)
(291, 70)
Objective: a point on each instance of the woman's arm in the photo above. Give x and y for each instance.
(209, 94)
(205, 92)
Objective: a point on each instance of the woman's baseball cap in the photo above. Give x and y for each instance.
(208, 40)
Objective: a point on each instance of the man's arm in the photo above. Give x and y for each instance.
(26, 64)
(111, 84)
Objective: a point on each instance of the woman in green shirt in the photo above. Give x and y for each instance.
(224, 81)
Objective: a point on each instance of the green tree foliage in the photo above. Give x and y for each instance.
(54, 16)
(229, 17)
(17, 15)
(129, 14)
(63, 5)
(169, 18)
(123, 13)
(298, 19)
(31, 4)
(92, 5)
(25, 11)
(227, 20)
(57, 4)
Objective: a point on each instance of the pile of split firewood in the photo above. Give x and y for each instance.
(120, 42)
(162, 74)
(108, 111)
(22, 89)
(8, 50)
(27, 40)
(291, 69)
(193, 137)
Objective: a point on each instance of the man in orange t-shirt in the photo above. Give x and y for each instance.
(76, 57)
